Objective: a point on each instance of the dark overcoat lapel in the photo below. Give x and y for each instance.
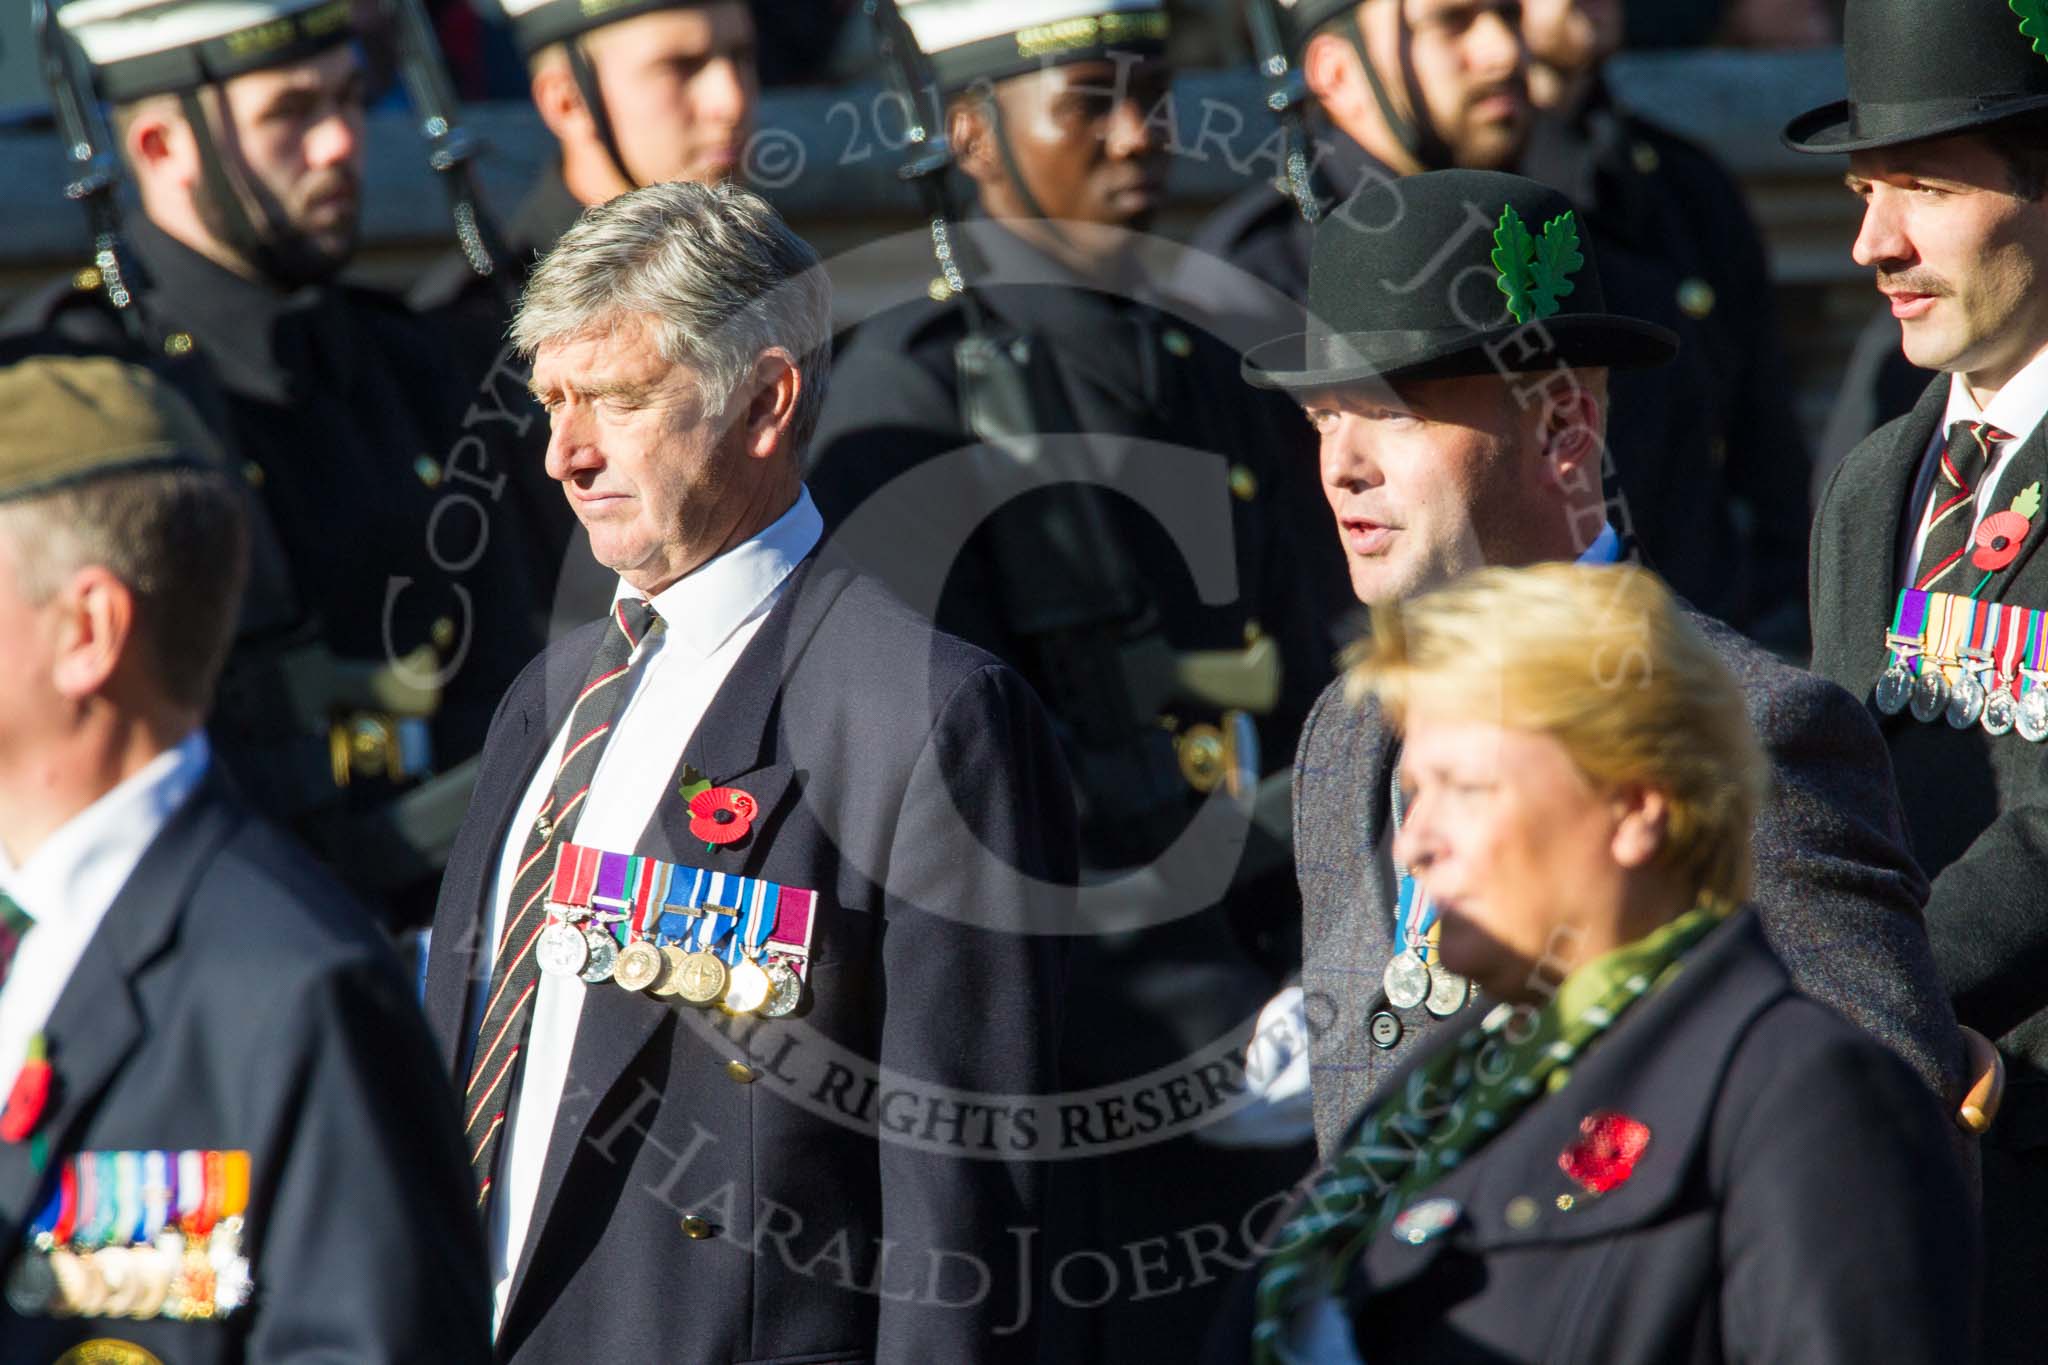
(97, 1022)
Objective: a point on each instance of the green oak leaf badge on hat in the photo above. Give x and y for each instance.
(2033, 22)
(1535, 273)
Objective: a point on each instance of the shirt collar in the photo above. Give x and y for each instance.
(1605, 549)
(704, 607)
(2016, 411)
(80, 868)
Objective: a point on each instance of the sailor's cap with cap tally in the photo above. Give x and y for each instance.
(67, 419)
(540, 23)
(154, 47)
(974, 40)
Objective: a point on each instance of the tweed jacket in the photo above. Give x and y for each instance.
(1976, 806)
(1837, 893)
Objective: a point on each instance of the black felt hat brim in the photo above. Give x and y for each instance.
(1582, 341)
(1830, 129)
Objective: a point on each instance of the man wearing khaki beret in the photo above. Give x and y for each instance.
(224, 1136)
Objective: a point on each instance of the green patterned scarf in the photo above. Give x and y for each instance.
(1449, 1108)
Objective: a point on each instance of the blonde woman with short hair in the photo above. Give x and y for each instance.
(1642, 1144)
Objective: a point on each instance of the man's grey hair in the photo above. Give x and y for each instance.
(716, 270)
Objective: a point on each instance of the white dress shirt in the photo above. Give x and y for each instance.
(710, 615)
(70, 881)
(2016, 411)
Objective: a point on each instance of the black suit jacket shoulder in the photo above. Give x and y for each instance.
(235, 998)
(856, 1165)
(1798, 1199)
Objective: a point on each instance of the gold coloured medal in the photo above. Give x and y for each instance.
(702, 978)
(639, 967)
(670, 983)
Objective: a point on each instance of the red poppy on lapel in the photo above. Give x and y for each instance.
(1999, 537)
(1606, 1153)
(30, 1095)
(722, 815)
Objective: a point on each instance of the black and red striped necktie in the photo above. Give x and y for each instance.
(516, 973)
(1953, 517)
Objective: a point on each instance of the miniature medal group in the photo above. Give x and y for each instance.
(1966, 662)
(138, 1235)
(661, 929)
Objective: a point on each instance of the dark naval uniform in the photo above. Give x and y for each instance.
(1690, 440)
(1129, 375)
(392, 533)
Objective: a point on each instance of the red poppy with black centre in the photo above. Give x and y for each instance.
(1998, 540)
(1606, 1153)
(722, 815)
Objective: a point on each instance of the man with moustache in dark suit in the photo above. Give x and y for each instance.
(1927, 582)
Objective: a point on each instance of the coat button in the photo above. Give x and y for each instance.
(1645, 158)
(178, 343)
(1178, 344)
(695, 1228)
(1386, 1030)
(1520, 1212)
(1696, 297)
(1244, 485)
(741, 1072)
(428, 470)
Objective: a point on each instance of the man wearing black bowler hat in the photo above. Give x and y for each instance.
(1926, 582)
(1457, 376)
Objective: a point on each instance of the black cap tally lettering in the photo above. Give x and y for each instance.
(975, 40)
(154, 47)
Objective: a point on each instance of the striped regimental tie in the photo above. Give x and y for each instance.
(1952, 519)
(516, 972)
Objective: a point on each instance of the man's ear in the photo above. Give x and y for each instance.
(1574, 440)
(1329, 67)
(95, 631)
(774, 386)
(560, 103)
(158, 144)
(971, 136)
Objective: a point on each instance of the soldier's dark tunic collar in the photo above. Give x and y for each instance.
(261, 340)
(1573, 152)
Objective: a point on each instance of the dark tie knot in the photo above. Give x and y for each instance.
(634, 616)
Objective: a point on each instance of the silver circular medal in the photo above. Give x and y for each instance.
(786, 990)
(1447, 992)
(639, 967)
(1930, 695)
(1966, 702)
(562, 950)
(31, 1285)
(2032, 721)
(604, 955)
(1406, 981)
(2000, 711)
(1894, 685)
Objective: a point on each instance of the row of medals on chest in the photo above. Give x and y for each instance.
(578, 942)
(185, 1270)
(1968, 700)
